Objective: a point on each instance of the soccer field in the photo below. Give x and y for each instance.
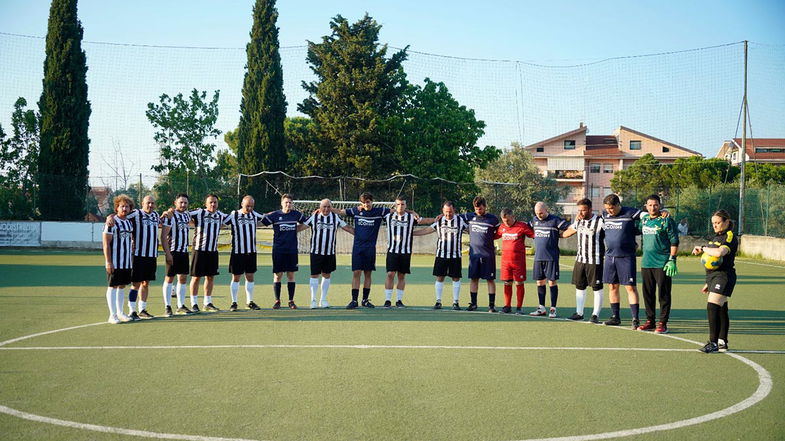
(381, 374)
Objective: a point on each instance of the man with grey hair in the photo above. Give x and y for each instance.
(547, 228)
(324, 225)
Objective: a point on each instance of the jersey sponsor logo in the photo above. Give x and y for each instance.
(510, 236)
(287, 227)
(650, 230)
(613, 225)
(182, 226)
(212, 220)
(148, 220)
(364, 222)
(398, 223)
(479, 229)
(244, 221)
(124, 235)
(323, 226)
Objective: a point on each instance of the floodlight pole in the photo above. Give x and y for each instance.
(743, 152)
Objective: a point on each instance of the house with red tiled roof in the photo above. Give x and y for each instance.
(586, 163)
(759, 150)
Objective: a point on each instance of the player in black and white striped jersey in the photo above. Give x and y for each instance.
(400, 226)
(243, 224)
(146, 222)
(449, 229)
(118, 253)
(174, 240)
(324, 227)
(588, 260)
(207, 222)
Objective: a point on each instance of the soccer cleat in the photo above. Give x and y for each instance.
(324, 304)
(438, 305)
(519, 311)
(256, 307)
(314, 305)
(352, 305)
(195, 309)
(539, 312)
(123, 318)
(387, 304)
(292, 305)
(594, 319)
(367, 304)
(134, 316)
(233, 307)
(552, 313)
(636, 324)
(471, 307)
(113, 319)
(210, 308)
(168, 311)
(647, 326)
(399, 304)
(709, 348)
(613, 321)
(277, 304)
(575, 316)
(507, 309)
(491, 308)
(722, 345)
(143, 314)
(183, 311)
(456, 306)
(661, 328)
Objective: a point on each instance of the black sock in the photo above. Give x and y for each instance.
(615, 309)
(355, 294)
(635, 309)
(491, 300)
(366, 293)
(541, 294)
(277, 290)
(473, 296)
(725, 322)
(132, 295)
(714, 314)
(290, 287)
(554, 295)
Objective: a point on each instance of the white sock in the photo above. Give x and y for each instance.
(597, 302)
(233, 288)
(194, 299)
(180, 295)
(120, 300)
(580, 300)
(456, 291)
(439, 290)
(111, 293)
(142, 305)
(167, 293)
(314, 287)
(249, 291)
(388, 294)
(399, 294)
(131, 306)
(208, 300)
(325, 288)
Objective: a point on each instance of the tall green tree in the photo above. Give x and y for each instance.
(19, 159)
(357, 89)
(261, 142)
(65, 117)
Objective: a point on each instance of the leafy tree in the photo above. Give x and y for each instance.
(65, 117)
(700, 172)
(183, 127)
(261, 142)
(357, 89)
(19, 159)
(644, 177)
(764, 174)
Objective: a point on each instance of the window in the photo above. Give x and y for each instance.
(594, 168)
(635, 145)
(607, 168)
(665, 149)
(606, 191)
(595, 192)
(540, 149)
(568, 174)
(769, 149)
(569, 144)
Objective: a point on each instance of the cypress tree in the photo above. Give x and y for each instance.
(261, 141)
(65, 115)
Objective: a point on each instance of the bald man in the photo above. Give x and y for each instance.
(243, 223)
(547, 229)
(324, 226)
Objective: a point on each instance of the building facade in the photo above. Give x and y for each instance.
(759, 150)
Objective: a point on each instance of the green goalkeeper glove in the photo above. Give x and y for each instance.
(670, 268)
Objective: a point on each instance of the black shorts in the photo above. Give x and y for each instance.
(284, 262)
(179, 264)
(445, 266)
(399, 263)
(144, 269)
(242, 263)
(482, 267)
(322, 264)
(364, 259)
(721, 282)
(545, 270)
(205, 263)
(587, 274)
(119, 277)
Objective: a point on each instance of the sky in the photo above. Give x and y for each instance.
(526, 100)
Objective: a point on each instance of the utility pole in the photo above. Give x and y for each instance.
(743, 152)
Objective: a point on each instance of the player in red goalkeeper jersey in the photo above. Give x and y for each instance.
(513, 235)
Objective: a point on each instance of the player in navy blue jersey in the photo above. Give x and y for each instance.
(547, 229)
(286, 223)
(482, 252)
(621, 225)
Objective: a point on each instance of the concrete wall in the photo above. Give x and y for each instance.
(768, 247)
(51, 234)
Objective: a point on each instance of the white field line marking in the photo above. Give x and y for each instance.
(491, 348)
(763, 390)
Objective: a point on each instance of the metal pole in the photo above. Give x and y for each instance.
(743, 152)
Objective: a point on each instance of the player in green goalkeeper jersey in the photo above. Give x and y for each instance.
(658, 266)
